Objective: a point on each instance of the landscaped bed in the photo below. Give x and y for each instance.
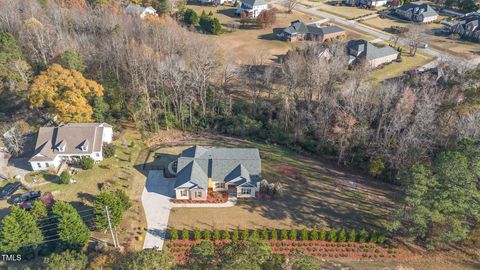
(212, 197)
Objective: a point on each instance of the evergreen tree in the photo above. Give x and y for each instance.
(65, 177)
(19, 230)
(71, 60)
(264, 234)
(39, 210)
(245, 234)
(304, 234)
(207, 235)
(362, 238)
(323, 234)
(117, 202)
(314, 234)
(147, 259)
(190, 17)
(67, 260)
(235, 235)
(373, 237)
(197, 234)
(254, 235)
(352, 236)
(225, 235)
(174, 234)
(185, 234)
(293, 234)
(332, 235)
(216, 235)
(71, 229)
(274, 234)
(202, 256)
(342, 236)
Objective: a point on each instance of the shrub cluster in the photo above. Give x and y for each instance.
(272, 189)
(331, 235)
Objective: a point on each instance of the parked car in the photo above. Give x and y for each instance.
(9, 189)
(423, 45)
(29, 196)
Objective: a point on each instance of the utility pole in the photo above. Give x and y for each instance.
(115, 244)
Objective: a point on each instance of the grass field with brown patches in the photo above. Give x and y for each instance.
(318, 195)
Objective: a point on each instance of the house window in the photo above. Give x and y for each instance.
(198, 194)
(39, 164)
(184, 193)
(97, 154)
(219, 185)
(246, 191)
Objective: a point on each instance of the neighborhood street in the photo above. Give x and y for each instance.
(372, 31)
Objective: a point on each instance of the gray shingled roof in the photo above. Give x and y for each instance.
(253, 3)
(362, 49)
(299, 27)
(427, 9)
(196, 164)
(72, 137)
(296, 27)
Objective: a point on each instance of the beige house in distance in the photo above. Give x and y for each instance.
(200, 169)
(72, 141)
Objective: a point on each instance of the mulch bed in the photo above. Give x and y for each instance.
(321, 249)
(212, 197)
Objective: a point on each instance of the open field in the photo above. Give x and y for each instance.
(346, 11)
(316, 194)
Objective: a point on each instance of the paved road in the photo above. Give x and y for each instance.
(372, 31)
(156, 204)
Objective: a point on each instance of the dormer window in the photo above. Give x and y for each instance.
(84, 146)
(61, 146)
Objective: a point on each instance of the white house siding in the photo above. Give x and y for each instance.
(378, 3)
(178, 194)
(383, 60)
(430, 19)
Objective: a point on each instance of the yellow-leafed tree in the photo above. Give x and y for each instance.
(66, 93)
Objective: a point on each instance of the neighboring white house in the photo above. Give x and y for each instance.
(136, 10)
(68, 142)
(366, 3)
(252, 8)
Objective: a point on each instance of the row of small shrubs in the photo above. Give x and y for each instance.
(332, 235)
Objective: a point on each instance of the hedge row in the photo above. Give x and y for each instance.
(331, 235)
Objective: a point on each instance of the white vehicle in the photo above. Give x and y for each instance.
(423, 45)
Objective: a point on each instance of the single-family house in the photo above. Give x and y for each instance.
(252, 8)
(363, 51)
(300, 31)
(69, 142)
(468, 27)
(203, 169)
(136, 10)
(417, 12)
(366, 3)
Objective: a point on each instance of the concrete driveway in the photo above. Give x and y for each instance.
(156, 203)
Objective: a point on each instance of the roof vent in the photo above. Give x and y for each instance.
(84, 146)
(61, 146)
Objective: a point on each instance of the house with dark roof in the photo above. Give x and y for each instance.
(468, 27)
(72, 141)
(300, 31)
(252, 8)
(417, 12)
(203, 169)
(363, 51)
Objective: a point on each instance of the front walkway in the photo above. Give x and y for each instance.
(156, 203)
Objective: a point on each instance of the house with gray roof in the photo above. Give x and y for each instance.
(69, 142)
(300, 31)
(363, 51)
(417, 12)
(468, 27)
(204, 169)
(137, 10)
(252, 8)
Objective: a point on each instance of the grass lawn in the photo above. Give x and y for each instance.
(317, 194)
(395, 69)
(243, 44)
(345, 11)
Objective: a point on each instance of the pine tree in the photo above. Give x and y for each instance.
(174, 234)
(245, 234)
(323, 234)
(185, 234)
(304, 234)
(39, 210)
(254, 235)
(235, 235)
(352, 237)
(264, 235)
(342, 236)
(332, 235)
(314, 234)
(197, 235)
(373, 237)
(362, 238)
(293, 234)
(274, 234)
(225, 235)
(19, 229)
(284, 234)
(207, 235)
(216, 235)
(72, 231)
(116, 207)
